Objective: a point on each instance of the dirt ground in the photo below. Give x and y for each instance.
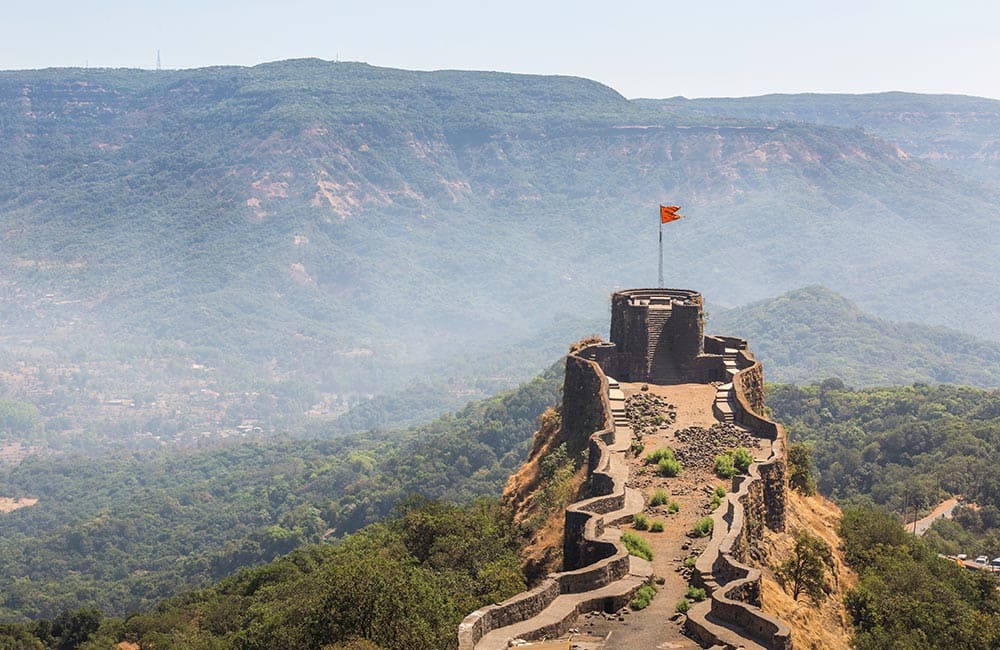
(692, 489)
(8, 504)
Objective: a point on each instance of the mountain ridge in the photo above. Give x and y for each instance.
(335, 230)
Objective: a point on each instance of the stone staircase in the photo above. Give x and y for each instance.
(725, 396)
(656, 319)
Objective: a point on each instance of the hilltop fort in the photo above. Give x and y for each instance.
(659, 384)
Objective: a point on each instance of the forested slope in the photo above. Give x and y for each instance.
(904, 447)
(120, 532)
(813, 333)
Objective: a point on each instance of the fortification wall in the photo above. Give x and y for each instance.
(757, 500)
(589, 562)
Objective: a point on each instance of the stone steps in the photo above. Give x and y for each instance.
(563, 611)
(724, 408)
(560, 614)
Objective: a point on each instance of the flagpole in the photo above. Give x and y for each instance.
(660, 285)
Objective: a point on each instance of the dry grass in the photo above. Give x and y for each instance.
(826, 627)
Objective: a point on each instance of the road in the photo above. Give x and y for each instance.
(944, 509)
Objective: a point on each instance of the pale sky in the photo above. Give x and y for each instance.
(696, 48)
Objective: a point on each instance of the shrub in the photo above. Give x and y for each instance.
(655, 457)
(682, 606)
(656, 526)
(673, 508)
(716, 501)
(742, 459)
(697, 594)
(636, 448)
(643, 597)
(640, 521)
(637, 546)
(724, 466)
(720, 491)
(704, 527)
(805, 570)
(659, 498)
(669, 466)
(690, 561)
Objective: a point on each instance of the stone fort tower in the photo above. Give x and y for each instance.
(659, 334)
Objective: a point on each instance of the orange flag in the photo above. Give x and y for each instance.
(668, 213)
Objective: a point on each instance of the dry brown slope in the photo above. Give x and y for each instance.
(539, 505)
(823, 627)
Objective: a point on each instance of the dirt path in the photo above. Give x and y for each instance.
(692, 490)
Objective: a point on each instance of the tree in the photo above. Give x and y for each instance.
(800, 469)
(806, 569)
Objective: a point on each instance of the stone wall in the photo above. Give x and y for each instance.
(589, 562)
(758, 500)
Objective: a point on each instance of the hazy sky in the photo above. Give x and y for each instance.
(642, 49)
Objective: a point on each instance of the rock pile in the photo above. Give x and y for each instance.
(702, 445)
(647, 413)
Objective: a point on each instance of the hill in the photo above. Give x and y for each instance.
(813, 333)
(905, 448)
(271, 246)
(954, 131)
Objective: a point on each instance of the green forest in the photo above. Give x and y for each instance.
(123, 531)
(905, 449)
(401, 584)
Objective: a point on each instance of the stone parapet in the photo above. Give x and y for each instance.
(593, 558)
(657, 335)
(758, 499)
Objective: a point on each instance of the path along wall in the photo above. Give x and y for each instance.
(591, 562)
(757, 500)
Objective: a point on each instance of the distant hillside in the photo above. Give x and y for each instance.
(198, 252)
(813, 333)
(957, 132)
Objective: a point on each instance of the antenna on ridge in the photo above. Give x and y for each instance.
(158, 66)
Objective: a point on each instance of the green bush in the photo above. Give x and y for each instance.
(720, 491)
(704, 527)
(637, 546)
(724, 466)
(640, 521)
(655, 457)
(673, 508)
(643, 597)
(682, 606)
(689, 562)
(716, 501)
(659, 498)
(696, 594)
(669, 466)
(742, 458)
(656, 526)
